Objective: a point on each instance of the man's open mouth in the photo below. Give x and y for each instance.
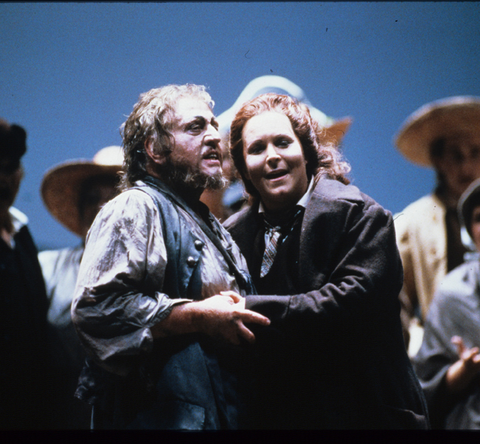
(212, 155)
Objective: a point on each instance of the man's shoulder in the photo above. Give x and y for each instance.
(131, 206)
(427, 203)
(420, 214)
(159, 193)
(131, 198)
(239, 217)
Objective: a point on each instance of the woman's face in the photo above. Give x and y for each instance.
(274, 160)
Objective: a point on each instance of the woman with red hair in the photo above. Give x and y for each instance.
(327, 271)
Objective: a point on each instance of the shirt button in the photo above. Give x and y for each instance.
(191, 261)
(198, 244)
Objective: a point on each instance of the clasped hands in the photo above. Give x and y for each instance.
(221, 316)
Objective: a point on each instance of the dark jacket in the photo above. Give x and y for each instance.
(25, 366)
(333, 356)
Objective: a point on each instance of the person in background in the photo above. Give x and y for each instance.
(165, 346)
(444, 135)
(326, 267)
(25, 400)
(73, 192)
(448, 361)
(226, 201)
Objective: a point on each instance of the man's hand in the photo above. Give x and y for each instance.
(463, 371)
(225, 316)
(222, 316)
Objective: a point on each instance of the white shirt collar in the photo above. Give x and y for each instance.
(18, 219)
(303, 202)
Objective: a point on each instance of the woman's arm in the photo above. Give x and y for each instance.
(362, 274)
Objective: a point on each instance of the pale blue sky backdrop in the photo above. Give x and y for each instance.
(71, 72)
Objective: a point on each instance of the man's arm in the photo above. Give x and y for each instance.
(115, 320)
(222, 316)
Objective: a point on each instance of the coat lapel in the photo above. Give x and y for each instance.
(246, 232)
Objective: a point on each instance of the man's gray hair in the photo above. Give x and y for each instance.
(152, 116)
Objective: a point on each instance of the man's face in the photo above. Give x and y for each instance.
(196, 158)
(460, 163)
(10, 177)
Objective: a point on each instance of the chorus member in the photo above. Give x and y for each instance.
(448, 361)
(24, 368)
(443, 135)
(73, 192)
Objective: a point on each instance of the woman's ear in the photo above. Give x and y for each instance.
(155, 156)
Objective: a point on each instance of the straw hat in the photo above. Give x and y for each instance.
(61, 184)
(335, 129)
(442, 118)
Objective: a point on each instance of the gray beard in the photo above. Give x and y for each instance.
(184, 176)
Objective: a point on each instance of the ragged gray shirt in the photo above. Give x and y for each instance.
(118, 297)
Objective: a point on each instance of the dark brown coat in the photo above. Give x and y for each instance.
(333, 356)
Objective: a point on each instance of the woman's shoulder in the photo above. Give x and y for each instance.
(329, 192)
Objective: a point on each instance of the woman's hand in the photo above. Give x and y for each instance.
(462, 372)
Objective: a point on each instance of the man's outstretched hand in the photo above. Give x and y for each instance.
(221, 316)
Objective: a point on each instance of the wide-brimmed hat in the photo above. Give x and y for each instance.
(61, 185)
(335, 129)
(451, 116)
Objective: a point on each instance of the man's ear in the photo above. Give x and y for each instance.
(156, 157)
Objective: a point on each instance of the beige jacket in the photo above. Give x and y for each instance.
(422, 241)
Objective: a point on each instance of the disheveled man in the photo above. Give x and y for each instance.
(165, 345)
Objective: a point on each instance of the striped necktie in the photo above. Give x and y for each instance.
(273, 234)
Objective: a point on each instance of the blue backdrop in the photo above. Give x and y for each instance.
(71, 72)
